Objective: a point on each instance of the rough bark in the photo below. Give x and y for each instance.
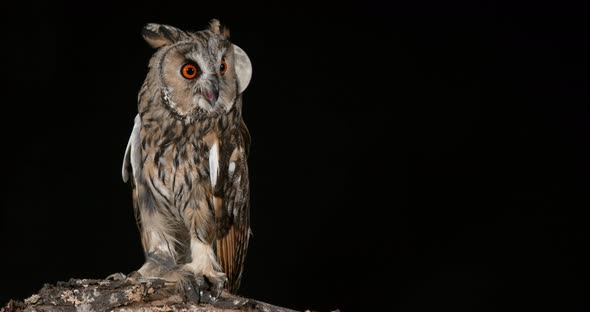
(108, 295)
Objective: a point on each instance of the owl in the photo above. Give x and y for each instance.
(187, 158)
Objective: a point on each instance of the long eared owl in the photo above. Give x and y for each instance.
(187, 157)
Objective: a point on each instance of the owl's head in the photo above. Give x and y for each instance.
(199, 74)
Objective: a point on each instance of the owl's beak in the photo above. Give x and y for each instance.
(213, 94)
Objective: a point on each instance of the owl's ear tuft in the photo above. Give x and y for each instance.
(218, 29)
(243, 68)
(157, 35)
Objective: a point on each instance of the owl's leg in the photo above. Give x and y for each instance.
(159, 241)
(159, 245)
(204, 265)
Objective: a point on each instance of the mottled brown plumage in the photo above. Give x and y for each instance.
(188, 157)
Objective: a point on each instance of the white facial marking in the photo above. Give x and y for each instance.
(200, 59)
(228, 107)
(168, 98)
(204, 104)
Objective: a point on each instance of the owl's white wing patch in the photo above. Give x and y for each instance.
(214, 163)
(231, 168)
(132, 157)
(232, 161)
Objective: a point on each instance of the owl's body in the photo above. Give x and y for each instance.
(188, 153)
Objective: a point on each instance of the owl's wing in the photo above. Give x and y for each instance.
(131, 165)
(233, 225)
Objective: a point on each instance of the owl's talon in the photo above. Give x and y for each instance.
(118, 277)
(134, 276)
(198, 289)
(216, 291)
(192, 290)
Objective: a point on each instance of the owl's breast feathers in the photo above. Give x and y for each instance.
(197, 173)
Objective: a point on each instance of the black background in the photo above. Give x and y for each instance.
(411, 157)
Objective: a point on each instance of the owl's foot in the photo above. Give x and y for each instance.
(200, 288)
(188, 286)
(216, 282)
(210, 291)
(192, 289)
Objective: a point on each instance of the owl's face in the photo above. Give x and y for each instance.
(200, 74)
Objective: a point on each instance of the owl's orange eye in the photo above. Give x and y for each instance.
(189, 71)
(223, 67)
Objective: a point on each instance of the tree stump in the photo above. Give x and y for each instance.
(86, 295)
